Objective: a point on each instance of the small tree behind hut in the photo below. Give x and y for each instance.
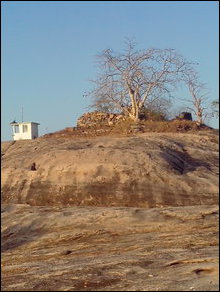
(130, 80)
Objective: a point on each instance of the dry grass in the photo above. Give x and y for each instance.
(129, 127)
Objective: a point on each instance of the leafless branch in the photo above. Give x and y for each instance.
(129, 79)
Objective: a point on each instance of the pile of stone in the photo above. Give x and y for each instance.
(94, 119)
(184, 116)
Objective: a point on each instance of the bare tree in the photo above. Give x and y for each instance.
(134, 78)
(215, 108)
(160, 105)
(199, 97)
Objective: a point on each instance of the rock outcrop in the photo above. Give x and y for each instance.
(109, 249)
(184, 116)
(148, 170)
(110, 242)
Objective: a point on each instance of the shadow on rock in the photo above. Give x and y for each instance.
(182, 162)
(15, 236)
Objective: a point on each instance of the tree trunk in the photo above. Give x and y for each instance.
(199, 118)
(134, 118)
(134, 114)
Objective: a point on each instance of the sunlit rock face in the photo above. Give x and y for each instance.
(146, 170)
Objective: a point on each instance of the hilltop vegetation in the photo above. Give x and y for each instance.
(94, 124)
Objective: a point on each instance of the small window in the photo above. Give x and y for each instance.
(25, 128)
(16, 128)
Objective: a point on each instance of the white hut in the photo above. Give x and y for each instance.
(24, 130)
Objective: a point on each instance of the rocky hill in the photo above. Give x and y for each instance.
(110, 213)
(146, 170)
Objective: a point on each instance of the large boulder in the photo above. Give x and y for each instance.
(184, 116)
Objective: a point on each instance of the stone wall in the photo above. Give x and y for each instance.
(92, 119)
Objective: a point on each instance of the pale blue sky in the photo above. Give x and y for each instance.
(49, 49)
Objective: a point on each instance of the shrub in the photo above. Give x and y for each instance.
(152, 115)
